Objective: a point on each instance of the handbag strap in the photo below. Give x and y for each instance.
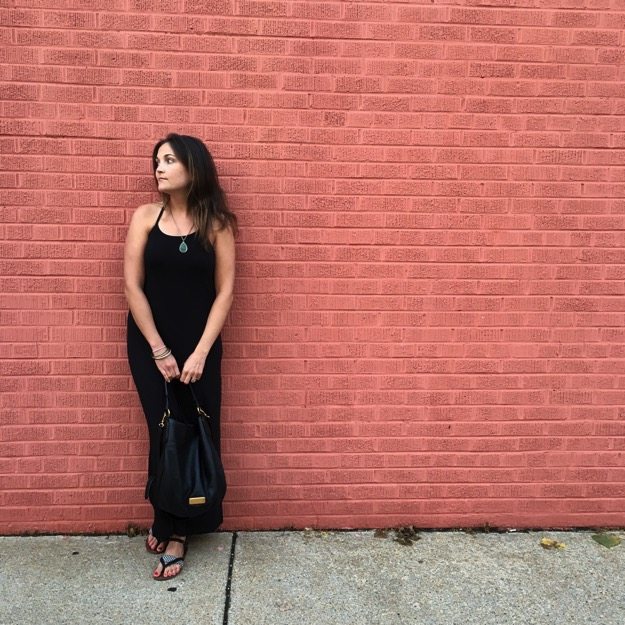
(167, 412)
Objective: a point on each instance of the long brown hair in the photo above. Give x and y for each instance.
(206, 199)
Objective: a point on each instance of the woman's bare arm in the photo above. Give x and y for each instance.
(224, 286)
(134, 275)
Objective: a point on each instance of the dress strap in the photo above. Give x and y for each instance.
(159, 215)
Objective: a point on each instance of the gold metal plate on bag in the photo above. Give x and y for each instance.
(195, 501)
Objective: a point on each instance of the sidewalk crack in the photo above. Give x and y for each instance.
(229, 580)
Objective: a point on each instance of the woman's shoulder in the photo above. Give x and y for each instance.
(221, 233)
(147, 213)
(149, 210)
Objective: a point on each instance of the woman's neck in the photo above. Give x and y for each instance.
(178, 204)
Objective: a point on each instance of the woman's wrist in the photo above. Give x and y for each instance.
(161, 354)
(201, 351)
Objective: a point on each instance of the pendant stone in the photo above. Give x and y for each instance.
(183, 248)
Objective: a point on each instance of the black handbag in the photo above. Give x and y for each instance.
(190, 477)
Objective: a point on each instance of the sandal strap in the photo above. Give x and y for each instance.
(168, 560)
(182, 541)
(150, 533)
(161, 545)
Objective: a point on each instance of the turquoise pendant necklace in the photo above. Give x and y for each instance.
(183, 248)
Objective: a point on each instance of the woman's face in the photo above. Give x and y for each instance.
(170, 173)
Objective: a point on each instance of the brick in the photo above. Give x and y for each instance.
(178, 23)
(545, 36)
(494, 35)
(124, 59)
(20, 91)
(117, 22)
(253, 81)
(21, 17)
(595, 38)
(234, 26)
(207, 7)
(333, 30)
(263, 8)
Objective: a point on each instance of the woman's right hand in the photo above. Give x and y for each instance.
(168, 368)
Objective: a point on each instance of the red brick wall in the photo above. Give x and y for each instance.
(429, 316)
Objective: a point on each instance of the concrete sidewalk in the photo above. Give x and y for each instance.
(317, 578)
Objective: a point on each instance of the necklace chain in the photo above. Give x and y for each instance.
(183, 247)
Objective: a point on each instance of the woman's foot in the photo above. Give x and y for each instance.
(170, 564)
(152, 544)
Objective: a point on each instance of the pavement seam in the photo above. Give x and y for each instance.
(229, 580)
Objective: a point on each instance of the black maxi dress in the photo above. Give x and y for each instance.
(180, 289)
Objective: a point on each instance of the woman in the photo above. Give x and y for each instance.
(179, 278)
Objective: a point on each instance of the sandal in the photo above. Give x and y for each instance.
(167, 560)
(154, 551)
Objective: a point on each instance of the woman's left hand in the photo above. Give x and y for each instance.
(193, 368)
